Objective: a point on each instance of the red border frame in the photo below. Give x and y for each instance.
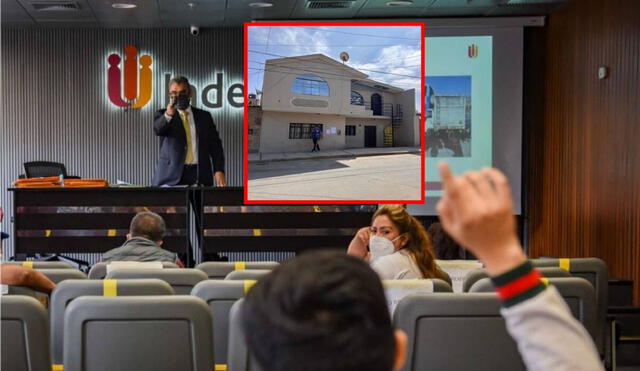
(245, 134)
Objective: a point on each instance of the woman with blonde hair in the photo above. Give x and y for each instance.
(397, 246)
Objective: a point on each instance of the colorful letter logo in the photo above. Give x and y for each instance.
(472, 51)
(140, 91)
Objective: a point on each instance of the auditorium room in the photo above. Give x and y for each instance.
(319, 185)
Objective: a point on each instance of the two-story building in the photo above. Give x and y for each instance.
(353, 111)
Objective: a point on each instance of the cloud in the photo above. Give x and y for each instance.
(393, 61)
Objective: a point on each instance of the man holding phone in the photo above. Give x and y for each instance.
(190, 147)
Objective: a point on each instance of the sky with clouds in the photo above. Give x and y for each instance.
(390, 54)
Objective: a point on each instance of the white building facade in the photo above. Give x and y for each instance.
(353, 111)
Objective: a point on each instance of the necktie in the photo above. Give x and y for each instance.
(187, 131)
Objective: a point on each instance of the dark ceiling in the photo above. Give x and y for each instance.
(215, 13)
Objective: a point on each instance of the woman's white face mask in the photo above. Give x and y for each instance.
(380, 246)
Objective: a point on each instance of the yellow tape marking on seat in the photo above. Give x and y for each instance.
(257, 232)
(239, 265)
(111, 233)
(545, 281)
(57, 367)
(110, 287)
(248, 284)
(565, 264)
(222, 210)
(47, 233)
(220, 368)
(28, 264)
(316, 209)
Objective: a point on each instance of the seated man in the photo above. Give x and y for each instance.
(326, 311)
(144, 242)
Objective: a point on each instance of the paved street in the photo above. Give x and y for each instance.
(383, 177)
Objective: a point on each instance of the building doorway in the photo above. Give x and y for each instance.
(376, 104)
(369, 136)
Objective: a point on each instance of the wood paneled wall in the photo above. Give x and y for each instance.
(584, 135)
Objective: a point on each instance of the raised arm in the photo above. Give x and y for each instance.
(359, 243)
(162, 123)
(476, 209)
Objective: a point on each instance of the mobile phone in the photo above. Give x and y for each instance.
(172, 101)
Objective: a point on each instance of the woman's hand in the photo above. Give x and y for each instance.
(359, 244)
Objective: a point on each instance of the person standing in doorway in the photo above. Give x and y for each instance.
(315, 136)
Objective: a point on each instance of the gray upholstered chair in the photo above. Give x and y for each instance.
(25, 342)
(220, 295)
(395, 290)
(458, 270)
(478, 274)
(42, 264)
(142, 333)
(247, 274)
(596, 272)
(99, 270)
(577, 293)
(69, 290)
(58, 275)
(181, 279)
(221, 269)
(239, 358)
(456, 331)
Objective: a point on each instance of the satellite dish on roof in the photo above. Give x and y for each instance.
(344, 56)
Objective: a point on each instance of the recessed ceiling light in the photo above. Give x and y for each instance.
(260, 4)
(400, 3)
(124, 6)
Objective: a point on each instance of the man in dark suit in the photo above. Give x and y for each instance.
(190, 148)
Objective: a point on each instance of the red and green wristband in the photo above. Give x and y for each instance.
(519, 284)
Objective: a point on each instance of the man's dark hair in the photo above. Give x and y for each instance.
(322, 311)
(148, 225)
(180, 80)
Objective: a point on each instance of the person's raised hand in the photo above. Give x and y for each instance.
(359, 243)
(171, 107)
(476, 209)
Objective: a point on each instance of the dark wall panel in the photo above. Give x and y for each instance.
(55, 104)
(584, 164)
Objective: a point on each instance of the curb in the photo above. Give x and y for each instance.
(332, 156)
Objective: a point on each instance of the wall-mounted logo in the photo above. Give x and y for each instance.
(137, 79)
(472, 51)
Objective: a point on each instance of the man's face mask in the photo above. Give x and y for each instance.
(182, 102)
(380, 246)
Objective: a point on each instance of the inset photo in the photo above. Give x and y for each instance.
(334, 113)
(448, 116)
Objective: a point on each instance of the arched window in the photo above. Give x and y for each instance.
(356, 99)
(310, 85)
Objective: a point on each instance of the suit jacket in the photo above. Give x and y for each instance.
(173, 146)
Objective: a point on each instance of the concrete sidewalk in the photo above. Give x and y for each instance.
(351, 152)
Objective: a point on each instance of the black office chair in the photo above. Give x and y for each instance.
(36, 169)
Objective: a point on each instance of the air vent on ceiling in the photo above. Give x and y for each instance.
(329, 4)
(55, 6)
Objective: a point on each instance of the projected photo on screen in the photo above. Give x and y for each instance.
(448, 116)
(458, 105)
(472, 102)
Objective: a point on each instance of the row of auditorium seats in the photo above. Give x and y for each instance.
(221, 295)
(95, 325)
(216, 270)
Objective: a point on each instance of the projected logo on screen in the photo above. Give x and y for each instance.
(472, 51)
(137, 79)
